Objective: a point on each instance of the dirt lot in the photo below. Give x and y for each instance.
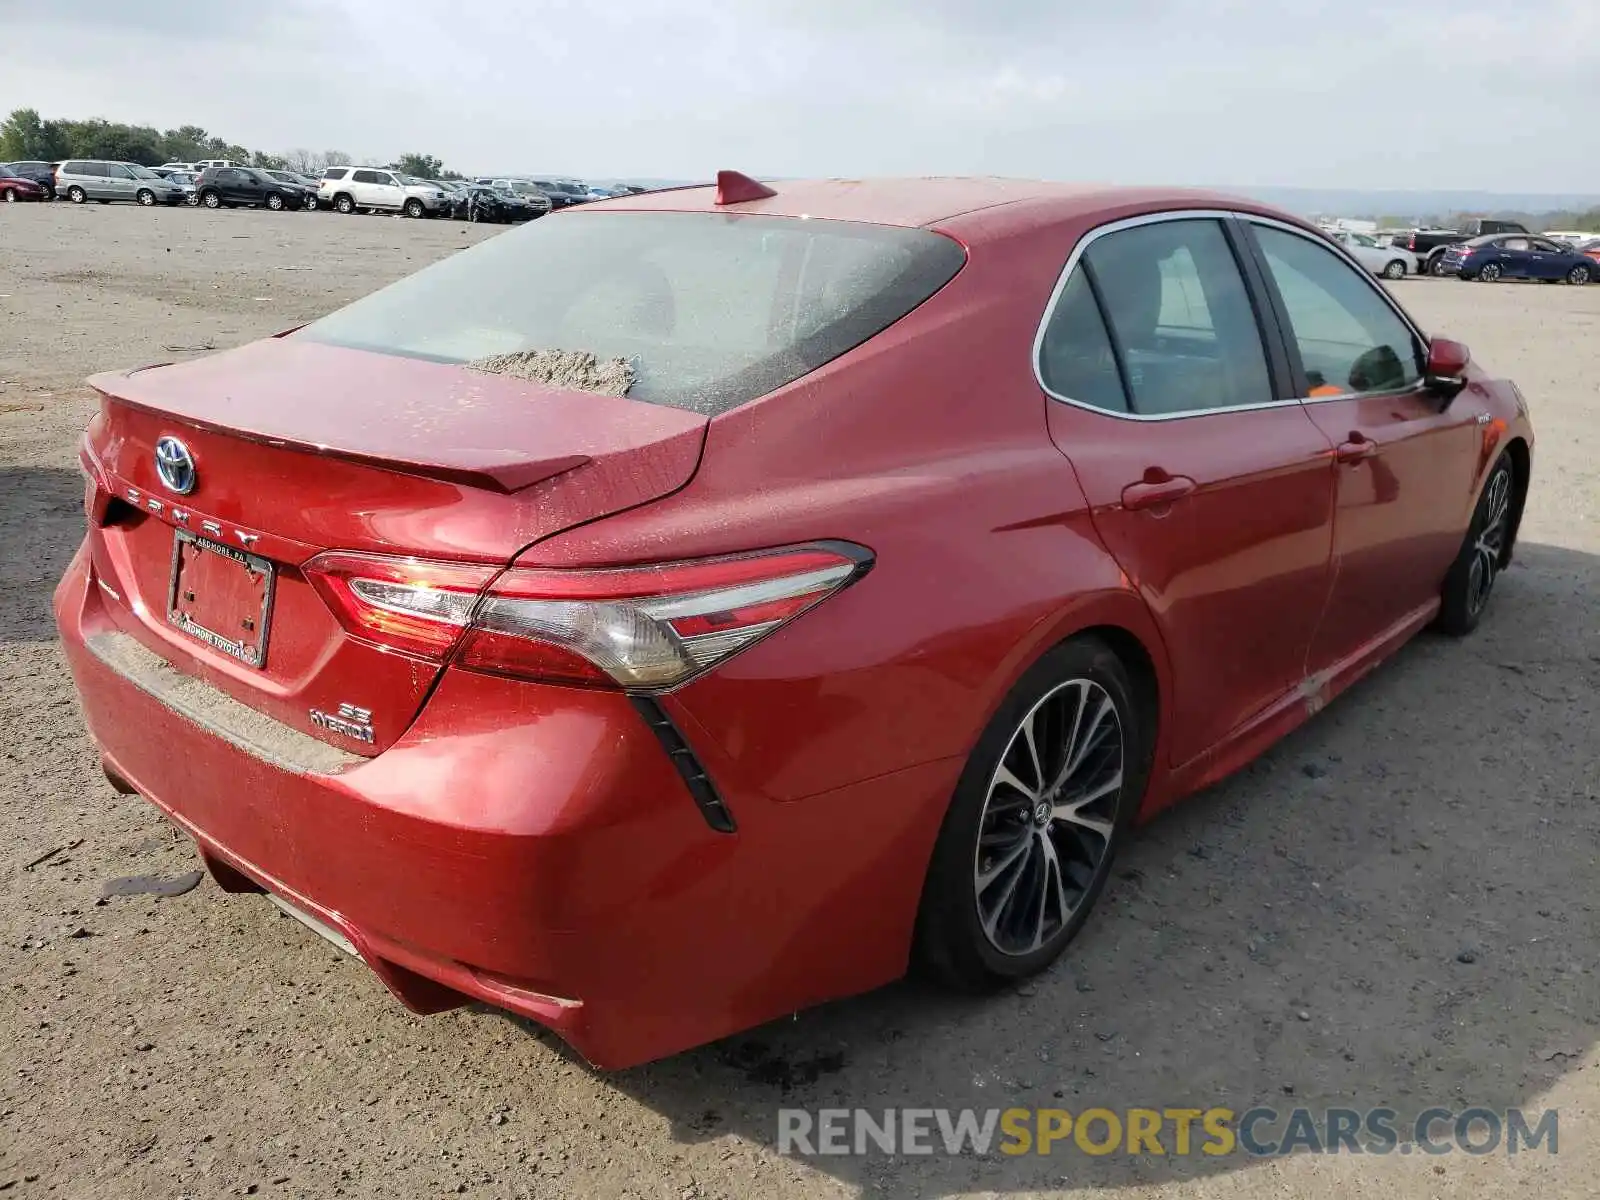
(1396, 906)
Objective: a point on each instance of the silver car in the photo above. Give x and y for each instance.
(84, 179)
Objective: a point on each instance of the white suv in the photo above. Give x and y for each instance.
(351, 189)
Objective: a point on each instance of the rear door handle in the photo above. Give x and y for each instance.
(1151, 493)
(1358, 448)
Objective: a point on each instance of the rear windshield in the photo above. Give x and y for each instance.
(713, 310)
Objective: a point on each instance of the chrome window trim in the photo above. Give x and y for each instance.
(1202, 214)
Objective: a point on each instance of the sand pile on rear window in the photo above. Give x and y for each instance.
(578, 370)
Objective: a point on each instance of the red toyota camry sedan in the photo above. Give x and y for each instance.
(908, 543)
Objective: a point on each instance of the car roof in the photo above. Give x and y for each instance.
(924, 202)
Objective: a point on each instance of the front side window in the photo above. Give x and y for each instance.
(1349, 338)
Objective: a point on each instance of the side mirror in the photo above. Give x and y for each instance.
(1446, 372)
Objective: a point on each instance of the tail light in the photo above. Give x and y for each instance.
(1411, 243)
(640, 628)
(1462, 251)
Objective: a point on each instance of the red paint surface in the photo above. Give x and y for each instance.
(532, 844)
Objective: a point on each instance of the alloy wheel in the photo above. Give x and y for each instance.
(147, 199)
(1489, 545)
(1489, 273)
(1395, 270)
(1049, 816)
(1578, 276)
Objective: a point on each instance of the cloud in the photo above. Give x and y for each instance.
(1326, 93)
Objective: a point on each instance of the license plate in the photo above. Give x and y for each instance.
(221, 596)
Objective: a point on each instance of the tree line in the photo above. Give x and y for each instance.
(26, 136)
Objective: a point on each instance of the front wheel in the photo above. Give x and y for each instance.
(413, 209)
(1028, 841)
(146, 198)
(1436, 267)
(211, 200)
(1483, 553)
(1395, 269)
(275, 202)
(11, 196)
(1579, 275)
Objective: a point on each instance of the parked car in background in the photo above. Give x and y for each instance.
(42, 173)
(177, 166)
(1589, 248)
(206, 163)
(537, 200)
(1518, 256)
(84, 179)
(563, 193)
(247, 187)
(1429, 245)
(187, 180)
(479, 202)
(424, 198)
(378, 189)
(15, 188)
(575, 702)
(306, 187)
(1391, 262)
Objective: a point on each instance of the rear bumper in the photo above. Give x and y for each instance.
(535, 848)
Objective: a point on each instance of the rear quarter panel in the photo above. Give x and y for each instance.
(928, 445)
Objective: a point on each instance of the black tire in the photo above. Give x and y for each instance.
(1395, 269)
(10, 196)
(1484, 551)
(274, 202)
(1579, 275)
(146, 198)
(413, 209)
(211, 199)
(76, 194)
(1436, 266)
(1488, 273)
(342, 203)
(1062, 698)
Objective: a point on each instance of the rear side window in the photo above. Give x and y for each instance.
(364, 177)
(1075, 358)
(712, 309)
(1179, 318)
(334, 173)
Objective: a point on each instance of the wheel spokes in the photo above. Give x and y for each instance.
(1049, 817)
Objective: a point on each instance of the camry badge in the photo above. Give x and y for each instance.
(175, 465)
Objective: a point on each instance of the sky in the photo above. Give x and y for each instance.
(1436, 94)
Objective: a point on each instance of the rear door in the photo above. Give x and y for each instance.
(1405, 462)
(1208, 482)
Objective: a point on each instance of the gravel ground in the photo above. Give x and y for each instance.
(1396, 905)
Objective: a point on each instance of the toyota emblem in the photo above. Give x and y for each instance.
(175, 465)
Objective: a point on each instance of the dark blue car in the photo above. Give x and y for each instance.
(1498, 256)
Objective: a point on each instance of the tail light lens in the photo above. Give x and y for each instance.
(641, 628)
(1411, 243)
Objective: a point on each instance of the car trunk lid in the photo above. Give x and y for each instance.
(299, 448)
